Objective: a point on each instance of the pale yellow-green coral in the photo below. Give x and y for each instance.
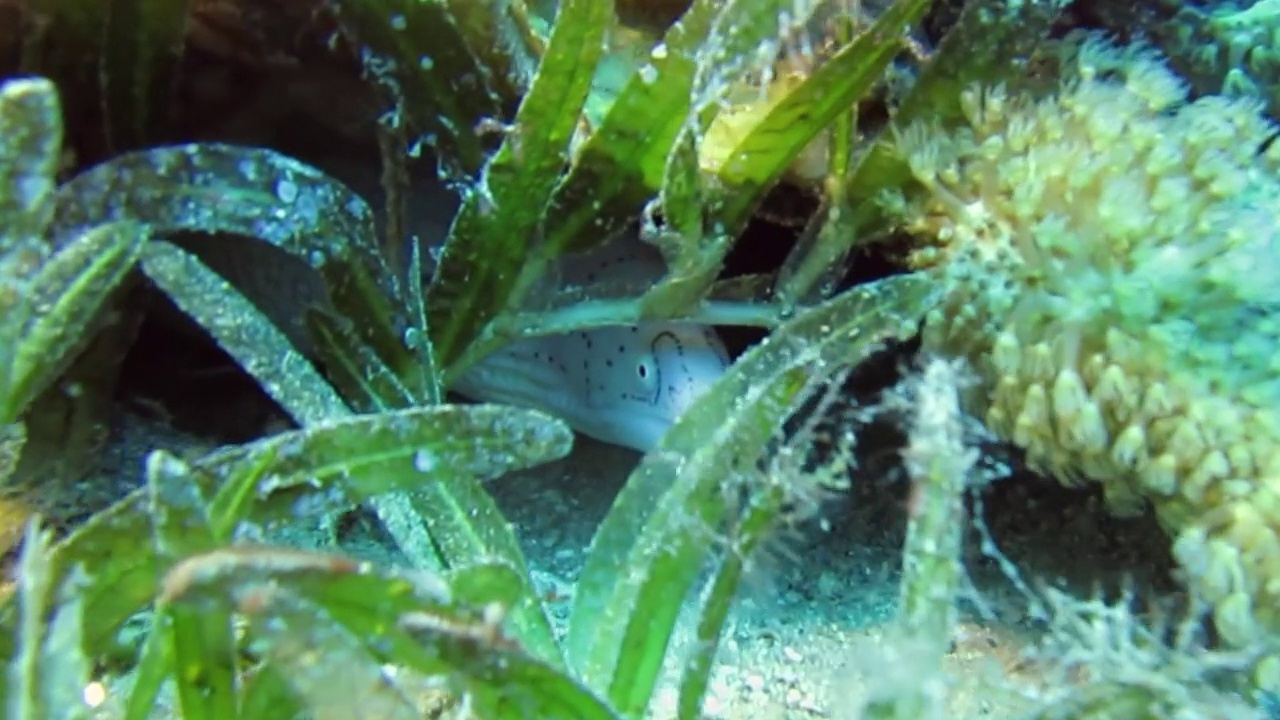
(1231, 47)
(1110, 252)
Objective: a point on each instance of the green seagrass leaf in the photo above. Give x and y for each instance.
(492, 235)
(67, 296)
(263, 197)
(651, 547)
(244, 333)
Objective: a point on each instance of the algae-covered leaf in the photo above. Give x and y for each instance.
(360, 376)
(465, 639)
(364, 454)
(507, 37)
(990, 44)
(443, 87)
(30, 142)
(203, 661)
(764, 154)
(466, 524)
(265, 694)
(441, 477)
(178, 507)
(121, 56)
(326, 666)
(622, 164)
(192, 645)
(47, 673)
(244, 333)
(259, 195)
(150, 673)
(67, 295)
(341, 633)
(493, 232)
(749, 529)
(647, 554)
(474, 442)
(694, 257)
(143, 42)
(485, 583)
(30, 147)
(115, 543)
(13, 437)
(68, 423)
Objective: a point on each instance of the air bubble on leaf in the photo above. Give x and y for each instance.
(248, 169)
(424, 461)
(426, 62)
(412, 338)
(648, 74)
(398, 22)
(286, 190)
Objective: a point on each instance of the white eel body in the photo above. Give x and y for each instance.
(625, 385)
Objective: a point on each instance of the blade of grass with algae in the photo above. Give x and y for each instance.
(259, 195)
(461, 517)
(764, 154)
(30, 147)
(65, 298)
(30, 152)
(989, 44)
(362, 621)
(336, 463)
(648, 552)
(622, 164)
(122, 59)
(420, 51)
(490, 236)
(49, 671)
(244, 333)
(194, 645)
(264, 352)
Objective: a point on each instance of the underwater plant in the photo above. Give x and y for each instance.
(51, 298)
(235, 624)
(225, 493)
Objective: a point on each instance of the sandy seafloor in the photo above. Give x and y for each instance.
(805, 638)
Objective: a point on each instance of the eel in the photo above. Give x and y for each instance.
(624, 385)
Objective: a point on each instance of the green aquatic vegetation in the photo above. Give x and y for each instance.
(453, 66)
(122, 55)
(239, 627)
(51, 295)
(575, 192)
(169, 535)
(483, 258)
(659, 534)
(191, 508)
